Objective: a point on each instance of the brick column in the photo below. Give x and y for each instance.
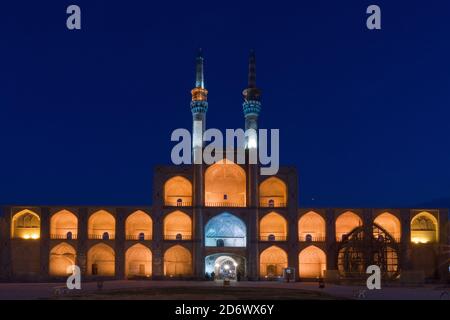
(44, 243)
(119, 243)
(82, 238)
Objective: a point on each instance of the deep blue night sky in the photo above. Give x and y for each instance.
(86, 115)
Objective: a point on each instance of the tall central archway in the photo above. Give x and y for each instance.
(225, 230)
(225, 185)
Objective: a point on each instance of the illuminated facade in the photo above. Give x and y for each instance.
(223, 218)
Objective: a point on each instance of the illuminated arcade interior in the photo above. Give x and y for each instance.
(177, 226)
(424, 228)
(225, 230)
(63, 225)
(273, 227)
(178, 192)
(177, 261)
(228, 231)
(272, 193)
(311, 227)
(101, 225)
(139, 226)
(225, 185)
(345, 223)
(26, 225)
(272, 262)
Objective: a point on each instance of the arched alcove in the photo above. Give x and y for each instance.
(63, 225)
(177, 262)
(346, 223)
(101, 225)
(424, 228)
(177, 226)
(225, 185)
(178, 192)
(311, 226)
(139, 226)
(225, 230)
(272, 193)
(273, 227)
(101, 260)
(62, 257)
(138, 261)
(26, 224)
(272, 262)
(390, 224)
(312, 262)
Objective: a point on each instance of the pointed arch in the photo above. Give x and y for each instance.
(177, 226)
(101, 260)
(273, 226)
(62, 257)
(177, 261)
(139, 226)
(346, 223)
(312, 262)
(273, 193)
(225, 230)
(272, 261)
(178, 192)
(63, 225)
(138, 261)
(26, 224)
(390, 223)
(424, 228)
(311, 226)
(101, 225)
(225, 185)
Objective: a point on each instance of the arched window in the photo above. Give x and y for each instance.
(424, 228)
(272, 193)
(178, 192)
(228, 228)
(272, 261)
(101, 260)
(177, 262)
(390, 224)
(313, 225)
(26, 225)
(346, 223)
(63, 222)
(312, 262)
(101, 223)
(62, 257)
(138, 261)
(273, 224)
(69, 236)
(105, 236)
(139, 224)
(225, 185)
(177, 225)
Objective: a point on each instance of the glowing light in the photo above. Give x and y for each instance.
(419, 240)
(226, 267)
(217, 265)
(235, 264)
(34, 236)
(26, 236)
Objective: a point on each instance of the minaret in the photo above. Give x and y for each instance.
(252, 104)
(199, 106)
(252, 107)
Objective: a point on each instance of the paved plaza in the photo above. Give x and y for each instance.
(216, 290)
